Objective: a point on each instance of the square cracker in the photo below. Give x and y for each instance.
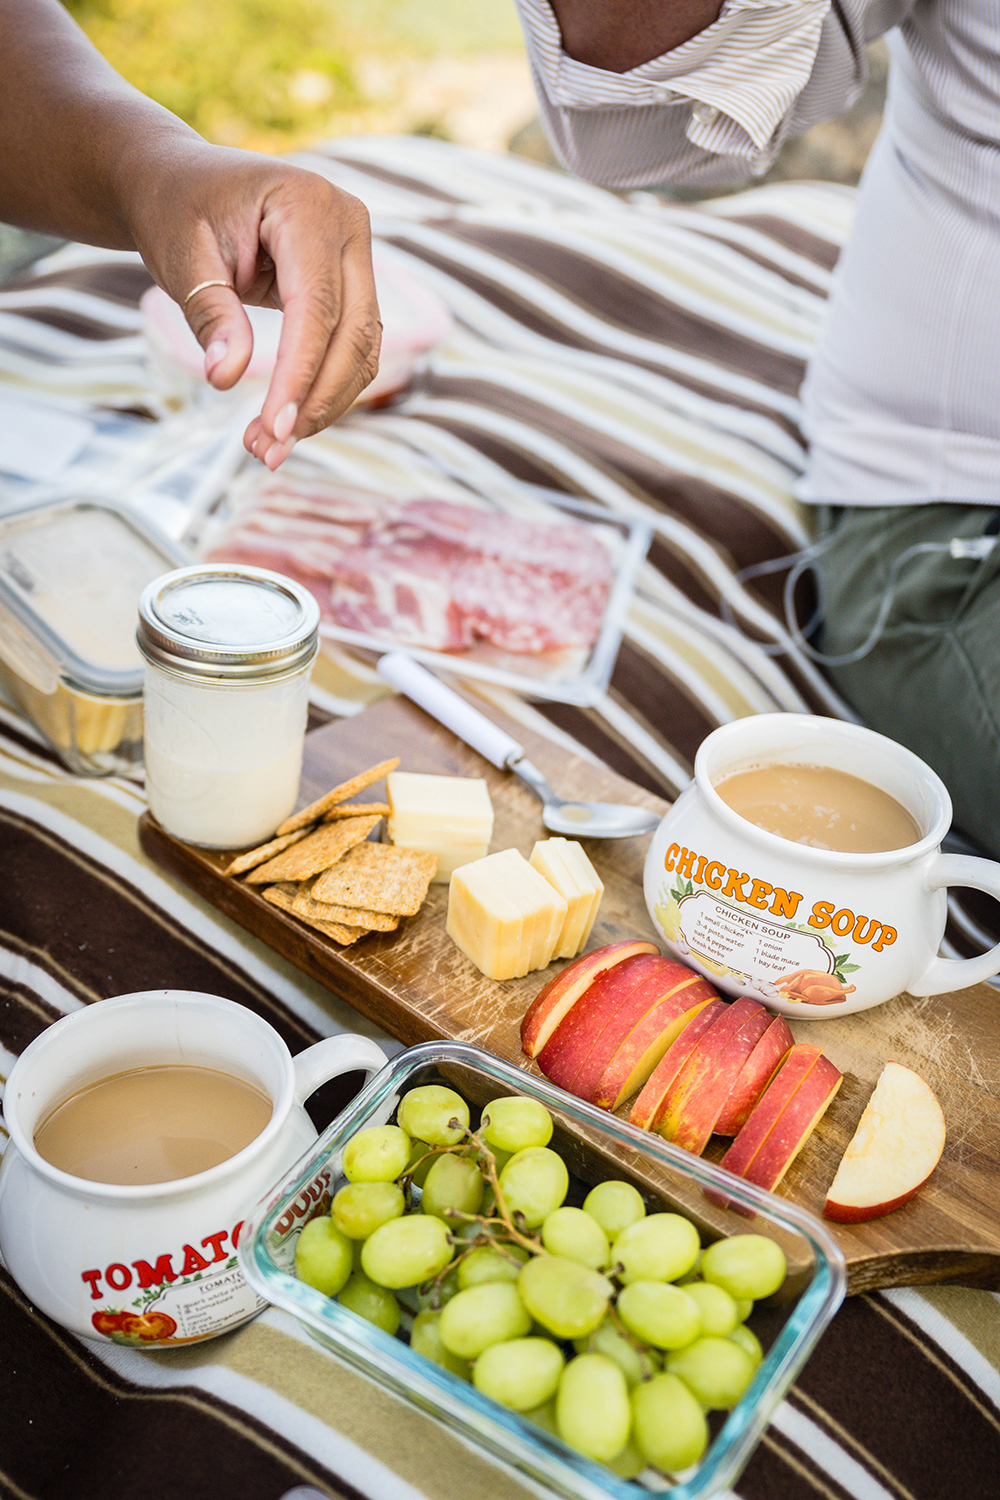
(355, 810)
(351, 916)
(317, 851)
(341, 793)
(263, 852)
(380, 877)
(282, 896)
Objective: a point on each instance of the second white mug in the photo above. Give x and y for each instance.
(152, 1263)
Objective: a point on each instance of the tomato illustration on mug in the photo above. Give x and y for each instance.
(127, 1327)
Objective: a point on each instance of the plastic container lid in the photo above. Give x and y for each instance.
(71, 573)
(219, 620)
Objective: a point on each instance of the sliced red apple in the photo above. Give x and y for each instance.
(784, 1117)
(699, 1091)
(622, 1017)
(754, 1076)
(563, 990)
(897, 1145)
(633, 1064)
(627, 1068)
(611, 994)
(652, 1099)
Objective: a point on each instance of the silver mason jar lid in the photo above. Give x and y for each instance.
(224, 620)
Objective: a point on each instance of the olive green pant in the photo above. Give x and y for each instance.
(932, 679)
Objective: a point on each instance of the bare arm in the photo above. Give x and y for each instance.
(620, 34)
(87, 156)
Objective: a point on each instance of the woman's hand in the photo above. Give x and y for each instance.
(87, 156)
(279, 237)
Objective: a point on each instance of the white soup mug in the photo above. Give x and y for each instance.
(811, 932)
(152, 1264)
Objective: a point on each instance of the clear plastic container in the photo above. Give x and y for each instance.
(260, 519)
(71, 573)
(228, 655)
(595, 1145)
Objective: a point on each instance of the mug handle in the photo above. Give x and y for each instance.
(944, 974)
(347, 1053)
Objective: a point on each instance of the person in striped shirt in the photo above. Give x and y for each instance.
(901, 403)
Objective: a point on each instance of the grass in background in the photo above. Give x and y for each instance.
(427, 27)
(277, 74)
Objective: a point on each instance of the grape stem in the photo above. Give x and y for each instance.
(488, 1166)
(649, 1367)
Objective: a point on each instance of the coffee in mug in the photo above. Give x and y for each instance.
(787, 904)
(153, 1124)
(819, 806)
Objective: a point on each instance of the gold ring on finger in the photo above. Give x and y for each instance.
(201, 287)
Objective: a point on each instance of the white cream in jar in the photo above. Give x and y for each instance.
(228, 651)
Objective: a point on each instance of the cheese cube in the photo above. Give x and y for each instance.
(456, 807)
(504, 915)
(450, 816)
(565, 865)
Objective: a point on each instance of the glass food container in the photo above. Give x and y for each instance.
(228, 650)
(71, 573)
(595, 1145)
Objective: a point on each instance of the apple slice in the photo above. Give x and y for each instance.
(897, 1145)
(699, 1091)
(652, 1099)
(634, 1062)
(755, 1075)
(648, 992)
(613, 1075)
(563, 990)
(611, 993)
(784, 1117)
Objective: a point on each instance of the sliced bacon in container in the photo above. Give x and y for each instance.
(429, 573)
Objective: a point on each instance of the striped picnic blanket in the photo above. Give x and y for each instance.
(645, 356)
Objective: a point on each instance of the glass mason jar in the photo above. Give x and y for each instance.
(228, 651)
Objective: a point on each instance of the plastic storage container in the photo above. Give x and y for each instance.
(595, 1145)
(71, 573)
(228, 655)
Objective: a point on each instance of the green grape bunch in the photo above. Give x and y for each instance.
(606, 1324)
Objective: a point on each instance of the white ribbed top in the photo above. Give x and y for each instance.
(903, 397)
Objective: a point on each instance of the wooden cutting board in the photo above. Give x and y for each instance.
(417, 985)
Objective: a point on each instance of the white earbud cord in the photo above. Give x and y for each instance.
(959, 547)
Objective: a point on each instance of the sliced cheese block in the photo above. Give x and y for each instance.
(450, 816)
(586, 875)
(482, 899)
(543, 907)
(565, 866)
(547, 859)
(452, 808)
(485, 925)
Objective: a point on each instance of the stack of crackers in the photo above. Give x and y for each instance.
(322, 867)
